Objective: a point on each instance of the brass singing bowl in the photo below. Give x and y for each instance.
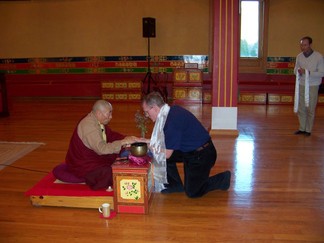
(138, 149)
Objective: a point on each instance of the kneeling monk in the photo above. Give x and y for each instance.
(94, 147)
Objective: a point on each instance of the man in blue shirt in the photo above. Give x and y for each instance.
(178, 136)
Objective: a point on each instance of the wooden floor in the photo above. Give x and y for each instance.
(276, 193)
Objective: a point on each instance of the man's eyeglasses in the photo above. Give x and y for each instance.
(146, 111)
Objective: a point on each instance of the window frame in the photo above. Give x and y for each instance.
(259, 64)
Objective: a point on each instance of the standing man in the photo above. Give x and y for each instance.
(309, 70)
(178, 136)
(94, 147)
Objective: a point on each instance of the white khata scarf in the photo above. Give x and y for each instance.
(297, 90)
(157, 146)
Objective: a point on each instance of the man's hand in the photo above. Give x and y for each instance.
(132, 139)
(301, 71)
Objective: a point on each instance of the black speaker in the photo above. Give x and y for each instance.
(149, 27)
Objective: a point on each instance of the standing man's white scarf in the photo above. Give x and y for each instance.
(157, 146)
(297, 90)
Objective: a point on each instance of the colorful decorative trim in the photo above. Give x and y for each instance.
(280, 99)
(123, 64)
(130, 189)
(252, 98)
(112, 64)
(281, 65)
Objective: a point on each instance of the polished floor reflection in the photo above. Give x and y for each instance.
(276, 193)
(244, 151)
(269, 160)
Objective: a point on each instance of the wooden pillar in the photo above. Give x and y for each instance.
(225, 66)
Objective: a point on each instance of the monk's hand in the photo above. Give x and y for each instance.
(129, 140)
(144, 140)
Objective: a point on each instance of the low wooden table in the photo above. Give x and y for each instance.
(133, 187)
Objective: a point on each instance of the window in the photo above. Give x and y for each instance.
(249, 46)
(253, 29)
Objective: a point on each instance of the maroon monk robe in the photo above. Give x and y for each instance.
(85, 163)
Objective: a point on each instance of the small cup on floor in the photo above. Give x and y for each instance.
(105, 210)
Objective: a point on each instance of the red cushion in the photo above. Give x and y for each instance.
(47, 187)
(61, 173)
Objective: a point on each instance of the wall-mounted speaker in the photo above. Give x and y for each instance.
(149, 27)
